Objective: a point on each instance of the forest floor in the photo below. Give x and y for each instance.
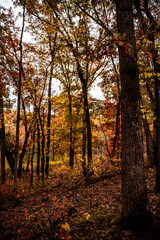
(67, 207)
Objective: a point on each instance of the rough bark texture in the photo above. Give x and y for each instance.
(134, 197)
(157, 147)
(2, 140)
(156, 65)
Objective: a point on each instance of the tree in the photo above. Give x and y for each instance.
(66, 75)
(150, 28)
(11, 49)
(52, 53)
(2, 134)
(134, 199)
(19, 87)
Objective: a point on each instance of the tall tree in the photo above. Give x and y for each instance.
(150, 28)
(19, 87)
(134, 199)
(52, 53)
(2, 134)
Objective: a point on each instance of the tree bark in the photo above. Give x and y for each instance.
(134, 196)
(157, 123)
(22, 154)
(38, 149)
(156, 66)
(88, 124)
(71, 158)
(42, 147)
(84, 149)
(117, 129)
(24, 144)
(33, 138)
(10, 159)
(49, 122)
(53, 148)
(2, 139)
(149, 141)
(19, 99)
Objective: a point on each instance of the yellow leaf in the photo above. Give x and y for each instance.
(87, 216)
(19, 231)
(66, 227)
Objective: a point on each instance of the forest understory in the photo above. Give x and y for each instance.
(68, 207)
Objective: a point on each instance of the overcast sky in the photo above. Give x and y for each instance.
(95, 92)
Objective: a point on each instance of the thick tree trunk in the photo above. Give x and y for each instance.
(156, 65)
(2, 139)
(134, 196)
(157, 145)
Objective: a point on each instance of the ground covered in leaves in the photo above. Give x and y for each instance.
(68, 207)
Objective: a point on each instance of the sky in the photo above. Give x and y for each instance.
(95, 91)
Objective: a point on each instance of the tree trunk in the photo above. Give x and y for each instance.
(157, 145)
(88, 124)
(33, 138)
(134, 195)
(84, 148)
(10, 159)
(149, 141)
(53, 148)
(19, 100)
(25, 142)
(117, 128)
(151, 30)
(2, 139)
(42, 147)
(48, 123)
(22, 155)
(28, 161)
(71, 157)
(38, 149)
(156, 65)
